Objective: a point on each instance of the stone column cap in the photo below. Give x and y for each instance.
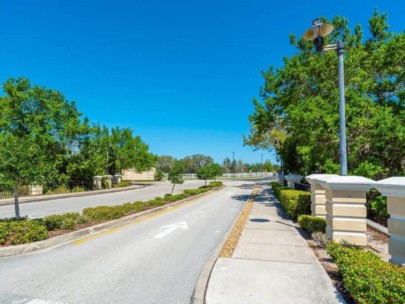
(98, 176)
(316, 179)
(355, 183)
(393, 186)
(293, 177)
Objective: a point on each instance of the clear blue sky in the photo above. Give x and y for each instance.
(180, 73)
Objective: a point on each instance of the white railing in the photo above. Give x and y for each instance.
(236, 175)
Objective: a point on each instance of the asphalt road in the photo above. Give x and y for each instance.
(157, 260)
(77, 204)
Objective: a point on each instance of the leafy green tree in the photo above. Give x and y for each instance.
(194, 162)
(45, 117)
(211, 171)
(227, 165)
(176, 174)
(297, 114)
(159, 175)
(22, 162)
(165, 162)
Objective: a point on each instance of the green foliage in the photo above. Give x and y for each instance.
(194, 162)
(376, 205)
(61, 221)
(215, 184)
(22, 232)
(294, 202)
(102, 213)
(158, 175)
(312, 223)
(367, 278)
(165, 163)
(297, 112)
(104, 184)
(121, 184)
(176, 174)
(4, 232)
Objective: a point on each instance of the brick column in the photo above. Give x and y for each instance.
(394, 189)
(318, 198)
(346, 208)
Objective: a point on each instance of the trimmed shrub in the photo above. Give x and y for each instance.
(77, 189)
(4, 232)
(57, 221)
(312, 223)
(22, 232)
(101, 213)
(277, 188)
(215, 184)
(124, 183)
(295, 202)
(367, 278)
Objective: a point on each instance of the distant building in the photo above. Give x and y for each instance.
(133, 175)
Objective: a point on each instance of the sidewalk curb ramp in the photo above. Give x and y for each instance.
(70, 237)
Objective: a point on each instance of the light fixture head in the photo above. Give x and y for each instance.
(317, 33)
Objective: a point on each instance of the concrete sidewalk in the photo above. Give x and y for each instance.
(272, 263)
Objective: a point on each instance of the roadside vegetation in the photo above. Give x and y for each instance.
(297, 113)
(366, 278)
(24, 230)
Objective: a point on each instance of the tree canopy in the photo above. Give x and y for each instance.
(297, 114)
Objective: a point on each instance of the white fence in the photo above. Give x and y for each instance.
(236, 175)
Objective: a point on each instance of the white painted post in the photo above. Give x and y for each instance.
(318, 198)
(394, 189)
(346, 208)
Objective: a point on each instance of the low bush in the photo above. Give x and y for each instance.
(101, 213)
(367, 278)
(124, 183)
(78, 189)
(59, 190)
(4, 232)
(61, 221)
(312, 223)
(22, 232)
(277, 188)
(215, 184)
(295, 202)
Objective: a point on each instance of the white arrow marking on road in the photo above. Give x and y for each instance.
(171, 228)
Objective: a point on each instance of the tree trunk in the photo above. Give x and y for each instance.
(16, 206)
(173, 188)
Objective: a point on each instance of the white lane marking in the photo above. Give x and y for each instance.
(171, 228)
(36, 301)
(217, 231)
(230, 193)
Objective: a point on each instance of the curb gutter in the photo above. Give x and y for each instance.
(89, 231)
(198, 296)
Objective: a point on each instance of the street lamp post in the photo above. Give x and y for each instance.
(316, 34)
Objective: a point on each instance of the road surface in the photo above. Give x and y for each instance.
(77, 204)
(156, 261)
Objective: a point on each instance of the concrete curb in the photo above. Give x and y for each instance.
(89, 231)
(28, 199)
(198, 296)
(377, 227)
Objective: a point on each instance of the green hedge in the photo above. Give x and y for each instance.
(22, 232)
(312, 223)
(101, 213)
(61, 221)
(215, 184)
(295, 202)
(367, 278)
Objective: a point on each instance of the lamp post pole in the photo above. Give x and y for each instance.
(342, 111)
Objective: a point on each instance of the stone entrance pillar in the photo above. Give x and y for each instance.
(346, 208)
(318, 198)
(291, 179)
(394, 189)
(97, 182)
